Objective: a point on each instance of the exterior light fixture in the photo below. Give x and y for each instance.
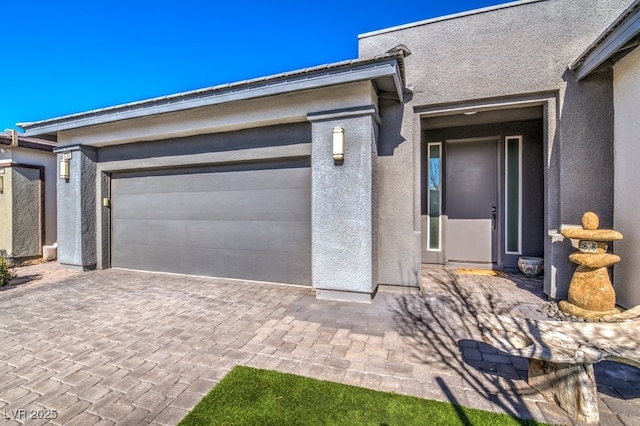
(1, 184)
(64, 169)
(64, 165)
(338, 144)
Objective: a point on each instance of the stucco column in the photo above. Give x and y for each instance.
(77, 209)
(580, 172)
(344, 207)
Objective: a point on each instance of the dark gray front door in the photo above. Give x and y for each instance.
(471, 193)
(249, 222)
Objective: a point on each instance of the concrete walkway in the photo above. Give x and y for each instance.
(122, 347)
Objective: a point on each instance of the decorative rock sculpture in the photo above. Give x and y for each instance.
(591, 294)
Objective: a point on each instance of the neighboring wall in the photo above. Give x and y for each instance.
(6, 211)
(20, 203)
(522, 49)
(48, 161)
(26, 192)
(626, 82)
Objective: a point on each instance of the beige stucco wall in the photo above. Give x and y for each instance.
(626, 83)
(6, 212)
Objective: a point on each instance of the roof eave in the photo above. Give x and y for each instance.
(612, 41)
(333, 74)
(29, 143)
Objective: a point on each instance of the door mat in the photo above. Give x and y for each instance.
(485, 272)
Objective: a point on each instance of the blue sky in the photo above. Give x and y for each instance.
(63, 57)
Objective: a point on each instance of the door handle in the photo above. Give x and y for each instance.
(493, 217)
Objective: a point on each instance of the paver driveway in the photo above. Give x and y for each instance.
(122, 347)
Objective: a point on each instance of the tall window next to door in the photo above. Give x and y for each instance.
(513, 196)
(434, 198)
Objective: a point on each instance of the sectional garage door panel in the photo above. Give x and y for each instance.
(244, 205)
(249, 222)
(199, 234)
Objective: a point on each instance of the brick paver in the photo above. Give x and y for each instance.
(123, 347)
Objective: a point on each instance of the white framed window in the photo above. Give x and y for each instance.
(513, 194)
(434, 196)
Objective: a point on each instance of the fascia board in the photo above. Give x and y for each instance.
(397, 81)
(610, 45)
(28, 144)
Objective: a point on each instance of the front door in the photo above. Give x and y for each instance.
(471, 201)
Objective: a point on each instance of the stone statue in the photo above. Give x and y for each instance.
(591, 294)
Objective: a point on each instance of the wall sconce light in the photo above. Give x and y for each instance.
(64, 165)
(1, 184)
(64, 169)
(338, 144)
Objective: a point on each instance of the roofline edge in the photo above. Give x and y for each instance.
(447, 17)
(347, 71)
(621, 31)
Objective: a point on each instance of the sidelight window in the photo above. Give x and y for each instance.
(513, 196)
(434, 197)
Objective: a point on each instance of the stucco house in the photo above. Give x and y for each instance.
(461, 140)
(27, 195)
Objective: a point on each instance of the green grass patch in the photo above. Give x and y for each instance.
(248, 396)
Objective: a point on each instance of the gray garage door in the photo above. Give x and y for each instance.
(249, 222)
